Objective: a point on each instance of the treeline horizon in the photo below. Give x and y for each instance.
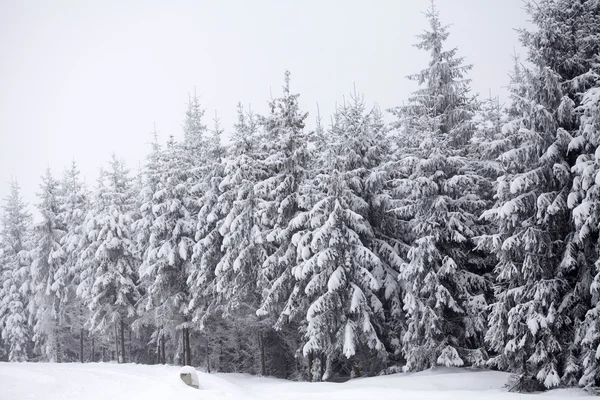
(464, 233)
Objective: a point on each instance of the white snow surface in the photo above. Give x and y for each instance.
(22, 381)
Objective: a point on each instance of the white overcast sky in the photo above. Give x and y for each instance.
(80, 79)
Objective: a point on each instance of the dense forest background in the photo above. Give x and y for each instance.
(465, 233)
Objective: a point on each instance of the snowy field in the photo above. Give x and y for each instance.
(21, 381)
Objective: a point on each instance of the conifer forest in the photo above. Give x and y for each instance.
(453, 229)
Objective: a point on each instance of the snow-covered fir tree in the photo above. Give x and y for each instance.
(47, 279)
(15, 290)
(167, 260)
(286, 160)
(244, 248)
(151, 173)
(73, 206)
(337, 276)
(108, 259)
(445, 289)
(207, 251)
(543, 270)
(194, 131)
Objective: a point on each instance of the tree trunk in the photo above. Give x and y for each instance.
(57, 351)
(129, 345)
(238, 358)
(323, 361)
(207, 355)
(162, 345)
(117, 343)
(103, 352)
(158, 350)
(182, 347)
(81, 345)
(188, 349)
(122, 341)
(310, 366)
(93, 350)
(261, 349)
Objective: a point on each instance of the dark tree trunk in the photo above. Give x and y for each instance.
(310, 366)
(129, 345)
(162, 345)
(57, 351)
(81, 345)
(237, 362)
(93, 350)
(323, 361)
(117, 343)
(182, 347)
(158, 351)
(188, 349)
(261, 350)
(103, 352)
(207, 355)
(122, 341)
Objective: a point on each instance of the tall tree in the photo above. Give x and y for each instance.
(109, 284)
(73, 206)
(15, 291)
(285, 164)
(167, 261)
(336, 275)
(543, 269)
(47, 258)
(445, 292)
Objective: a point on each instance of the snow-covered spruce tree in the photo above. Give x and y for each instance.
(337, 276)
(243, 247)
(47, 281)
(544, 266)
(488, 141)
(108, 259)
(167, 260)
(586, 215)
(444, 283)
(207, 250)
(85, 263)
(374, 151)
(284, 145)
(148, 316)
(567, 43)
(73, 205)
(15, 278)
(194, 131)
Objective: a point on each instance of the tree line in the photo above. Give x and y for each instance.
(464, 233)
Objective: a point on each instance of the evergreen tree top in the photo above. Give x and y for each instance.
(15, 220)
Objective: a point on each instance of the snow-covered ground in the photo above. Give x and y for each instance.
(21, 381)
